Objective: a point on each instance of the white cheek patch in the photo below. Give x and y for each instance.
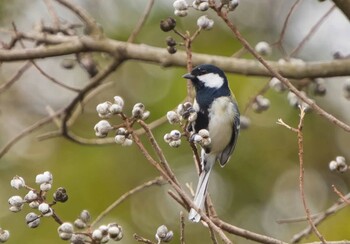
(211, 80)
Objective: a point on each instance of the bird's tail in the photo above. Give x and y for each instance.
(199, 197)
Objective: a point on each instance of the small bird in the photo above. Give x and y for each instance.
(217, 112)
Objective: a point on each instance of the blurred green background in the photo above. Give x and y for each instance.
(259, 186)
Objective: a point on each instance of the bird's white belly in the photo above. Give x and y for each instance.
(220, 127)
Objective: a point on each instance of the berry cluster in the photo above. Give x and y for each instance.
(173, 138)
(181, 8)
(108, 109)
(339, 164)
(36, 198)
(102, 234)
(202, 138)
(163, 234)
(4, 235)
(315, 86)
(260, 104)
(185, 112)
(263, 48)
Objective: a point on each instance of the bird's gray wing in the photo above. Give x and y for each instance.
(226, 153)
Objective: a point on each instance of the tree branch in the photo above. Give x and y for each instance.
(71, 44)
(340, 204)
(141, 21)
(157, 181)
(27, 131)
(245, 233)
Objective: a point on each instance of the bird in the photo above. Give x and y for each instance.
(217, 111)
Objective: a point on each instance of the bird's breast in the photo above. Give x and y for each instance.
(221, 119)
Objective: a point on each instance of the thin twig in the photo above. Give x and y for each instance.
(27, 131)
(51, 112)
(53, 79)
(178, 200)
(142, 239)
(212, 236)
(312, 31)
(179, 190)
(301, 175)
(16, 76)
(41, 70)
(189, 66)
(89, 96)
(262, 91)
(209, 208)
(91, 25)
(154, 124)
(239, 53)
(281, 122)
(94, 82)
(141, 21)
(245, 233)
(57, 219)
(296, 219)
(158, 151)
(284, 28)
(182, 228)
(150, 159)
(336, 207)
(340, 195)
(188, 39)
(49, 135)
(157, 181)
(54, 16)
(299, 132)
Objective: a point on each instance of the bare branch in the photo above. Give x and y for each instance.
(312, 31)
(212, 236)
(141, 21)
(285, 24)
(27, 131)
(159, 152)
(178, 189)
(157, 181)
(142, 239)
(179, 200)
(295, 220)
(339, 205)
(182, 228)
(52, 12)
(91, 25)
(301, 175)
(141, 52)
(342, 197)
(94, 82)
(262, 91)
(53, 79)
(299, 132)
(245, 233)
(10, 82)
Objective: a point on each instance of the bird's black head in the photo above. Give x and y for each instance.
(209, 82)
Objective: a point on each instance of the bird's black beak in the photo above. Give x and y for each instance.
(188, 76)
